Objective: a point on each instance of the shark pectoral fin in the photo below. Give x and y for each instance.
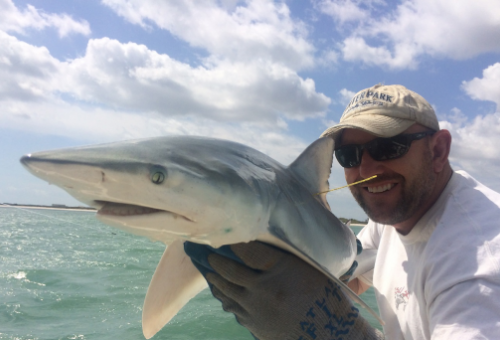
(175, 281)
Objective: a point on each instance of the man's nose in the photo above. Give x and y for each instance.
(369, 167)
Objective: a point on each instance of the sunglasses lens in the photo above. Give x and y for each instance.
(349, 155)
(388, 148)
(380, 149)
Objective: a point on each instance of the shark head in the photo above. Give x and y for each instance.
(203, 189)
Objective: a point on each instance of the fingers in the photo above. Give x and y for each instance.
(232, 271)
(228, 286)
(227, 252)
(228, 294)
(258, 255)
(200, 252)
(225, 288)
(254, 254)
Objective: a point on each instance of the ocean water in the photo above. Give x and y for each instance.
(65, 275)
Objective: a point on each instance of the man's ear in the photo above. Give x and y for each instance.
(440, 146)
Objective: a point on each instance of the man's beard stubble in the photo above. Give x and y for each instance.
(413, 194)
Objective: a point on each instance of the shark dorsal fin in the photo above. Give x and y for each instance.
(313, 167)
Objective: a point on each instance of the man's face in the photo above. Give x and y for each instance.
(403, 186)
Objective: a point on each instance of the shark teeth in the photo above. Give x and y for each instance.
(381, 188)
(118, 209)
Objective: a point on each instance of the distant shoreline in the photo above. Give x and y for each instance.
(86, 209)
(46, 207)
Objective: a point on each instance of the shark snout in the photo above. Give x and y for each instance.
(63, 173)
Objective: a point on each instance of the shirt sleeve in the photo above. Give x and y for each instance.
(468, 310)
(462, 283)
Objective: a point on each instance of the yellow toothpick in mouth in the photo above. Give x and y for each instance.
(348, 185)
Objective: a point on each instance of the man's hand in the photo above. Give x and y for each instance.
(276, 295)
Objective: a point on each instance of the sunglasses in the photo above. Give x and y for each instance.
(380, 149)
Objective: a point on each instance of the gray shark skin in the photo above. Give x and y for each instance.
(209, 191)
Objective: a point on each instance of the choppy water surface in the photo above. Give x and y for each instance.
(65, 275)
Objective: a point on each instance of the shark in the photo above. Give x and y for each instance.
(209, 191)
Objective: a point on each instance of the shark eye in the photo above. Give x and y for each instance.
(158, 177)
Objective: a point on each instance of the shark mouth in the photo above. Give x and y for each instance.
(121, 209)
(126, 210)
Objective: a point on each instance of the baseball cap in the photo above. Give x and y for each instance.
(385, 111)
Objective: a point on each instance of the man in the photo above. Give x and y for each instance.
(436, 234)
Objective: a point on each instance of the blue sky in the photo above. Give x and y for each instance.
(269, 74)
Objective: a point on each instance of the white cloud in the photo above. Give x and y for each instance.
(111, 82)
(475, 146)
(130, 77)
(119, 91)
(455, 29)
(27, 71)
(97, 125)
(475, 143)
(356, 49)
(255, 30)
(475, 140)
(343, 10)
(486, 88)
(248, 77)
(328, 58)
(415, 28)
(346, 96)
(14, 20)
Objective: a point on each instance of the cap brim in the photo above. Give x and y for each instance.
(377, 125)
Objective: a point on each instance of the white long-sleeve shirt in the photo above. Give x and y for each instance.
(442, 280)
